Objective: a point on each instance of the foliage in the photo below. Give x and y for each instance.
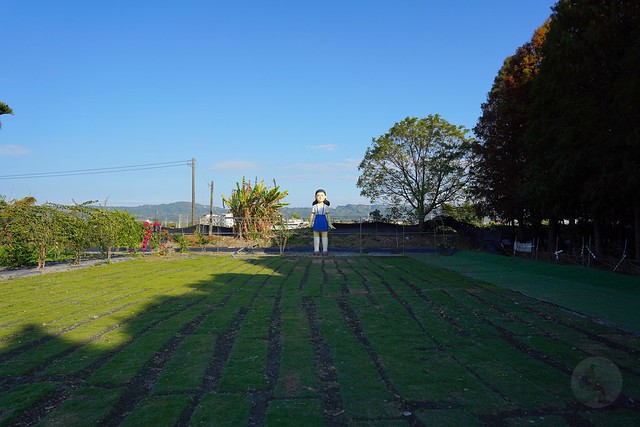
(182, 242)
(499, 165)
(254, 207)
(125, 228)
(77, 228)
(281, 233)
(27, 229)
(419, 164)
(200, 239)
(559, 134)
(393, 214)
(4, 109)
(583, 157)
(466, 213)
(18, 253)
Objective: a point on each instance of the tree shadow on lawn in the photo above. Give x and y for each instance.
(325, 341)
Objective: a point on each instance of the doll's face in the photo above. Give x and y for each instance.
(320, 197)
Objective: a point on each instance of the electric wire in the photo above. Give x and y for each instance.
(96, 171)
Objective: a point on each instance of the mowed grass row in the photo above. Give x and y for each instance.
(202, 340)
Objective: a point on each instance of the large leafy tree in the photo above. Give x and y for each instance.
(498, 170)
(580, 137)
(255, 206)
(419, 165)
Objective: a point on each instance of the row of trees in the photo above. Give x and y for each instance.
(558, 140)
(560, 131)
(31, 233)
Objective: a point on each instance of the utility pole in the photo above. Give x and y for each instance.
(193, 191)
(211, 210)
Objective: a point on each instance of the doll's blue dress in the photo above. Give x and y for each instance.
(320, 222)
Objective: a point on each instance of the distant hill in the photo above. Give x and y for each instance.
(177, 212)
(180, 212)
(338, 213)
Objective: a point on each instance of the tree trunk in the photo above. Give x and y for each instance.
(536, 226)
(552, 234)
(42, 256)
(636, 230)
(598, 243)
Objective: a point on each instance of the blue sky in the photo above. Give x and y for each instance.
(286, 90)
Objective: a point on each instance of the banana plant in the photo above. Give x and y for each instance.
(254, 206)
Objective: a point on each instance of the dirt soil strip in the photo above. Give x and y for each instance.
(221, 352)
(142, 384)
(219, 359)
(333, 409)
(34, 375)
(43, 340)
(409, 309)
(571, 416)
(138, 388)
(261, 398)
(51, 401)
(610, 343)
(352, 319)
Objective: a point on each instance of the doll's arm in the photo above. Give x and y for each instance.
(329, 221)
(311, 218)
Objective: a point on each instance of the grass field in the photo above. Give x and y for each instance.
(604, 295)
(218, 340)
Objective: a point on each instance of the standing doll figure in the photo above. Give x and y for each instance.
(321, 223)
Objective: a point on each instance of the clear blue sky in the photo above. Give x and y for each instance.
(286, 90)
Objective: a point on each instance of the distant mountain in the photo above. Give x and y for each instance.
(339, 213)
(180, 212)
(177, 212)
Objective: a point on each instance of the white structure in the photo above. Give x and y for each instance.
(292, 224)
(216, 220)
(226, 220)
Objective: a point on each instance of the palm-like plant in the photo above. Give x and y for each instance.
(255, 207)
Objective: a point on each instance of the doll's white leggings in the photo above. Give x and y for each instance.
(316, 241)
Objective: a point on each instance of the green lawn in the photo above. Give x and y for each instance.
(221, 340)
(604, 295)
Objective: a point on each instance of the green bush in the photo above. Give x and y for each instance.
(18, 254)
(181, 241)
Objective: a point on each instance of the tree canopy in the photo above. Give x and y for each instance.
(580, 135)
(560, 131)
(418, 165)
(498, 168)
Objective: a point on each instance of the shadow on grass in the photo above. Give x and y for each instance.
(119, 356)
(290, 340)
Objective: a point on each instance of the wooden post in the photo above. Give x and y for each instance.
(193, 191)
(211, 210)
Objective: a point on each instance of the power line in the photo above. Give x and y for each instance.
(96, 171)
